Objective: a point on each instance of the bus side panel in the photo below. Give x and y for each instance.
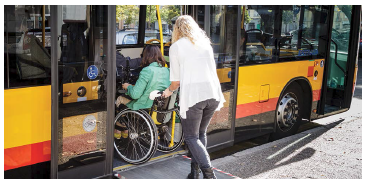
(256, 113)
(27, 131)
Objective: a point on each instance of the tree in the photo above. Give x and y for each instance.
(128, 13)
(247, 17)
(150, 14)
(168, 12)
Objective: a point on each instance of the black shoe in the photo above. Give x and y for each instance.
(208, 173)
(195, 171)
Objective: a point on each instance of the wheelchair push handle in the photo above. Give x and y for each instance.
(156, 94)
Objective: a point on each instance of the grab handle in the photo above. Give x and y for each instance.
(335, 57)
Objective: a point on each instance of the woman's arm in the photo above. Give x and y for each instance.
(135, 92)
(169, 91)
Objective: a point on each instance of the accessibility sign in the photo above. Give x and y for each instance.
(92, 72)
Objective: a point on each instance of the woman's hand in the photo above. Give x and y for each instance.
(125, 85)
(167, 93)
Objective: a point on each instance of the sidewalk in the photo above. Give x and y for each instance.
(322, 152)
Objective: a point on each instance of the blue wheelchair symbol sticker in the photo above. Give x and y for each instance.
(92, 72)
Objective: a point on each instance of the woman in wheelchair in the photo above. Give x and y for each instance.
(154, 76)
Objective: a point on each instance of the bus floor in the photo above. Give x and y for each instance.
(173, 165)
(176, 166)
(119, 163)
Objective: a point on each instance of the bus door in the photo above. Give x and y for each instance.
(82, 84)
(220, 24)
(338, 81)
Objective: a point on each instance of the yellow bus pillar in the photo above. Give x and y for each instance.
(160, 30)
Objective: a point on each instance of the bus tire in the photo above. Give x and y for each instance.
(289, 112)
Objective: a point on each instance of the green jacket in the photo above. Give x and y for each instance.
(152, 77)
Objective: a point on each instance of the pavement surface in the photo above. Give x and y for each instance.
(332, 151)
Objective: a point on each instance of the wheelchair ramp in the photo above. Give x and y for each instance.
(174, 167)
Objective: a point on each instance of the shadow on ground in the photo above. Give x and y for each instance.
(260, 161)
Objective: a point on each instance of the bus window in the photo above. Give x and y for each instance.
(340, 43)
(200, 16)
(168, 15)
(29, 58)
(127, 17)
(6, 51)
(5, 70)
(304, 32)
(257, 35)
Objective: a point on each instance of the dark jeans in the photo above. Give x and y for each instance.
(194, 129)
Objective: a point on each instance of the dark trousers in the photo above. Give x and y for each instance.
(194, 129)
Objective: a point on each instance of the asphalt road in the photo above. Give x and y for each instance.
(332, 151)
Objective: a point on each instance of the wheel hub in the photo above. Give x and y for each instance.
(164, 129)
(287, 112)
(133, 135)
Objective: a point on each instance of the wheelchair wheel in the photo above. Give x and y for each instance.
(140, 143)
(167, 142)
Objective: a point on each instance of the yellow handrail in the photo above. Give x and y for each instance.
(171, 144)
(160, 30)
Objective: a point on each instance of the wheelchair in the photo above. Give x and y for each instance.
(146, 131)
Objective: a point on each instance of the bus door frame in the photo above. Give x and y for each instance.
(103, 168)
(225, 138)
(353, 53)
(351, 60)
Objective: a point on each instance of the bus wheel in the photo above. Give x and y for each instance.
(288, 113)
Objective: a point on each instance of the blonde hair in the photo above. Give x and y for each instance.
(186, 26)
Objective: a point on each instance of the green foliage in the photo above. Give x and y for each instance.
(151, 14)
(168, 12)
(128, 13)
(247, 17)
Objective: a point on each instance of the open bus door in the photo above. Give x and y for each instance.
(339, 71)
(82, 91)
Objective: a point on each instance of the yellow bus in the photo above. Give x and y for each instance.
(279, 66)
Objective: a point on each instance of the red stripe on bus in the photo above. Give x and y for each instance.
(254, 108)
(27, 155)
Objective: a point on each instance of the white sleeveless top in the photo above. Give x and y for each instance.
(194, 66)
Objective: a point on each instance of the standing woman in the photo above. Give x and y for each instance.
(192, 67)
